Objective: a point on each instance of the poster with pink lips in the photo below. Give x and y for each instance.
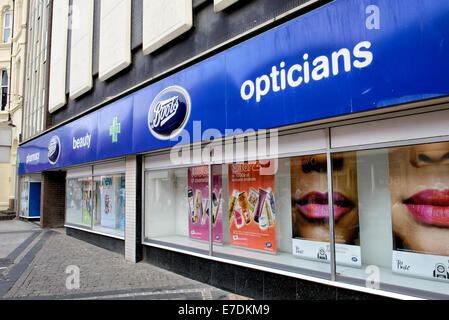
(419, 202)
(199, 203)
(310, 209)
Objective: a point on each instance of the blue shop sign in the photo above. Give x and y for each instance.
(345, 57)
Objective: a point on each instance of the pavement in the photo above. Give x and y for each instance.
(38, 264)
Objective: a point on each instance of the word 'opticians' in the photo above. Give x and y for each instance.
(297, 74)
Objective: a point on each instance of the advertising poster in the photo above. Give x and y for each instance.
(122, 203)
(199, 203)
(87, 202)
(310, 209)
(24, 185)
(419, 191)
(252, 213)
(107, 203)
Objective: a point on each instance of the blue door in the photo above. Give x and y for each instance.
(35, 200)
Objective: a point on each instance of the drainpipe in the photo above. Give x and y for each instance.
(9, 97)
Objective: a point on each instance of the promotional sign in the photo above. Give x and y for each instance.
(252, 210)
(310, 209)
(107, 207)
(122, 203)
(421, 265)
(24, 191)
(419, 191)
(345, 57)
(199, 204)
(87, 202)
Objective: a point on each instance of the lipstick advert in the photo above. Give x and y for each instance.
(199, 204)
(419, 193)
(310, 209)
(251, 210)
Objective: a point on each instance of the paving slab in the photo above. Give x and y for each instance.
(49, 265)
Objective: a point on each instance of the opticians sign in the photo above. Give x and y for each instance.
(325, 63)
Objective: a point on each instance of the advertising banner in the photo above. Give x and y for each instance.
(199, 203)
(252, 212)
(310, 209)
(419, 191)
(307, 71)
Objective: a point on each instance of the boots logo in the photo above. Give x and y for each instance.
(169, 112)
(54, 150)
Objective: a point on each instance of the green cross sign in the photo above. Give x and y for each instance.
(114, 130)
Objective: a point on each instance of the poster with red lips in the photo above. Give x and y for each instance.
(310, 209)
(252, 212)
(419, 199)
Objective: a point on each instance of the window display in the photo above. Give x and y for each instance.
(97, 203)
(171, 204)
(391, 209)
(310, 209)
(419, 191)
(24, 198)
(109, 204)
(252, 215)
(79, 201)
(403, 212)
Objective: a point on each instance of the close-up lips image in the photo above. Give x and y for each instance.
(430, 206)
(315, 205)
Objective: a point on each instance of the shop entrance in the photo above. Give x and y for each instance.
(30, 200)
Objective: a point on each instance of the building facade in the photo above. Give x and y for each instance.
(277, 149)
(12, 56)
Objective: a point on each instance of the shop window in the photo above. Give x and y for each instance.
(310, 209)
(24, 198)
(258, 211)
(79, 202)
(402, 199)
(172, 207)
(97, 203)
(109, 199)
(390, 205)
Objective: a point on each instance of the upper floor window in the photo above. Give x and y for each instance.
(6, 25)
(4, 86)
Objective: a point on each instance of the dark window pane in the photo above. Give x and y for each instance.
(4, 78)
(4, 97)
